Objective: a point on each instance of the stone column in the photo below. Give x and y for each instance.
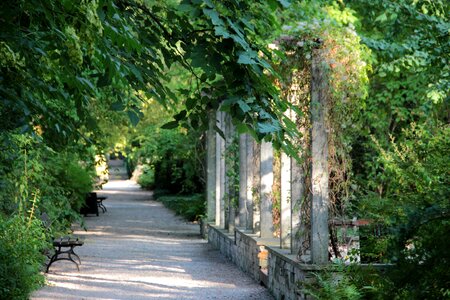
(243, 211)
(285, 237)
(249, 196)
(220, 173)
(230, 218)
(256, 188)
(319, 172)
(266, 189)
(211, 168)
(297, 195)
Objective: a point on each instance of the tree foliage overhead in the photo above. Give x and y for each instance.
(61, 58)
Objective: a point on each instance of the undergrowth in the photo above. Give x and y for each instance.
(191, 207)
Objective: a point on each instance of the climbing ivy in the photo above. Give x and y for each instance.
(231, 156)
(344, 59)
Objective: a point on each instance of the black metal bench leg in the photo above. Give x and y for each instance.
(69, 252)
(102, 206)
(52, 260)
(74, 254)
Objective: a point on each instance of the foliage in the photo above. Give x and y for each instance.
(62, 61)
(319, 32)
(22, 242)
(410, 83)
(352, 281)
(77, 74)
(231, 157)
(57, 180)
(147, 178)
(332, 286)
(396, 140)
(172, 155)
(416, 206)
(192, 207)
(175, 156)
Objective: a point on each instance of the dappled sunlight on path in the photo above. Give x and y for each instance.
(140, 250)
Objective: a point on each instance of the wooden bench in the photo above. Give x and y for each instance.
(63, 246)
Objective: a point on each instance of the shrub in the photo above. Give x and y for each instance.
(190, 207)
(173, 155)
(414, 206)
(147, 179)
(22, 244)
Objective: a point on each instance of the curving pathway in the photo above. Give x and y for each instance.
(141, 250)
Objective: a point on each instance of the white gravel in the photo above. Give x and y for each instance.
(141, 250)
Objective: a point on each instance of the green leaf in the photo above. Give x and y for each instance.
(117, 106)
(272, 4)
(242, 128)
(244, 106)
(268, 127)
(170, 125)
(214, 16)
(246, 58)
(219, 131)
(381, 18)
(198, 55)
(285, 3)
(180, 116)
(136, 73)
(190, 103)
(85, 82)
(134, 117)
(103, 81)
(221, 31)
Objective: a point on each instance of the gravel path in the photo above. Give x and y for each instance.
(141, 250)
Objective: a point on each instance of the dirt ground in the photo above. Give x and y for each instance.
(140, 250)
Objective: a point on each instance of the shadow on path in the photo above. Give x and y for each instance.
(141, 250)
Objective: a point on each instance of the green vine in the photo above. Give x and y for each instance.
(231, 156)
(337, 48)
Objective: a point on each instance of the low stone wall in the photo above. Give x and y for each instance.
(220, 239)
(263, 261)
(285, 273)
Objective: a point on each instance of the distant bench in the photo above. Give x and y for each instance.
(92, 204)
(100, 203)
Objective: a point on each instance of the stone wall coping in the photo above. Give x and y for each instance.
(286, 255)
(272, 245)
(247, 232)
(259, 241)
(222, 231)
